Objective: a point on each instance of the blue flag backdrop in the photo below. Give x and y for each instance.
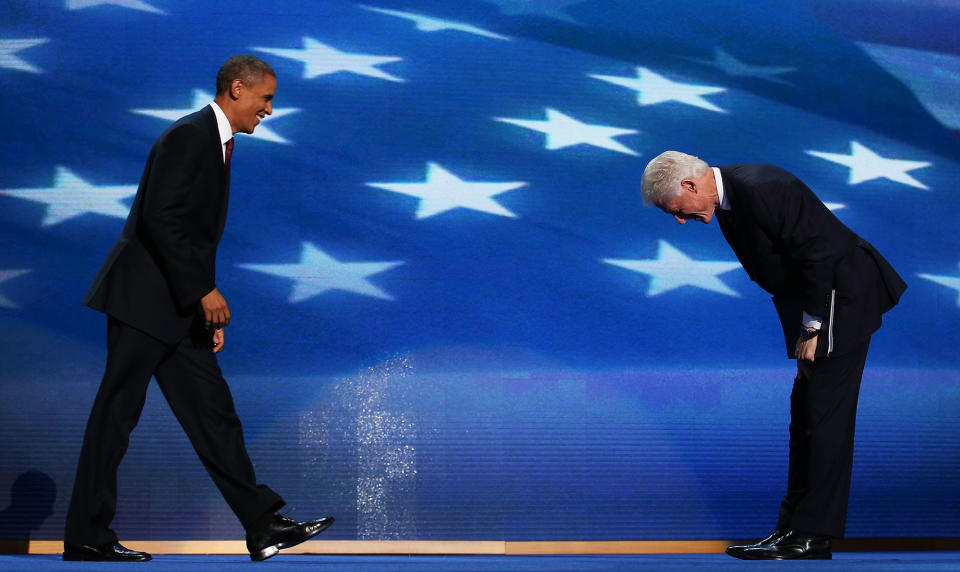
(453, 317)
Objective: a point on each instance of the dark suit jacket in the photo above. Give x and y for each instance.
(165, 260)
(797, 250)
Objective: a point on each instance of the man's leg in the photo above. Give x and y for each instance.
(799, 452)
(796, 474)
(200, 398)
(131, 358)
(833, 389)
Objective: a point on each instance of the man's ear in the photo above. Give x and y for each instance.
(689, 184)
(236, 86)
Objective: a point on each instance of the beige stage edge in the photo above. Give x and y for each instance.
(479, 547)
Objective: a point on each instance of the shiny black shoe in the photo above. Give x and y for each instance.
(792, 546)
(110, 552)
(737, 551)
(266, 539)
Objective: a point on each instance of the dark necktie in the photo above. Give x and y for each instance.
(226, 156)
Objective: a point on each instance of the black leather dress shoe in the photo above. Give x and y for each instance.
(110, 552)
(737, 551)
(792, 546)
(265, 540)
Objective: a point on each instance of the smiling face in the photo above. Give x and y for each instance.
(250, 103)
(697, 200)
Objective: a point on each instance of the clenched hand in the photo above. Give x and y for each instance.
(216, 313)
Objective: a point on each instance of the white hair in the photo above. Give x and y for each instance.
(661, 179)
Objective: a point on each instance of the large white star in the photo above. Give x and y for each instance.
(202, 98)
(71, 196)
(564, 131)
(318, 272)
(9, 275)
(132, 4)
(672, 269)
(735, 67)
(9, 58)
(320, 59)
(865, 165)
(428, 24)
(653, 88)
(444, 191)
(948, 281)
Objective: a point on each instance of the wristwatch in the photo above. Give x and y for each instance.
(807, 334)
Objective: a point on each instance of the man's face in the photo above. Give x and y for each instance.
(252, 102)
(691, 204)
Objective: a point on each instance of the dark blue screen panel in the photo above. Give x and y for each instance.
(453, 317)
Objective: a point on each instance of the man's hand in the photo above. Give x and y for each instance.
(807, 349)
(216, 314)
(218, 338)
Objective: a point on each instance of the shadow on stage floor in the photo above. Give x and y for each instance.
(867, 561)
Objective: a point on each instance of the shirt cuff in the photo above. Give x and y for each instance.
(811, 321)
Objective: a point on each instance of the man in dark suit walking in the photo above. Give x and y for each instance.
(830, 288)
(166, 319)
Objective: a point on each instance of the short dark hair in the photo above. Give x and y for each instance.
(248, 69)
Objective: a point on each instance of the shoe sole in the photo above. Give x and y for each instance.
(267, 552)
(84, 558)
(751, 557)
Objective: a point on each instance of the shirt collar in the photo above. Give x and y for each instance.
(223, 124)
(724, 201)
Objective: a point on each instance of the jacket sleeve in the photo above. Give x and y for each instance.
(174, 187)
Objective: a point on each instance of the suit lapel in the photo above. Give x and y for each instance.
(223, 176)
(736, 225)
(728, 224)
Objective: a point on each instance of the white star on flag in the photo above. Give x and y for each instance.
(202, 98)
(9, 275)
(835, 206)
(428, 24)
(737, 68)
(320, 59)
(318, 272)
(952, 282)
(9, 59)
(444, 191)
(865, 165)
(132, 4)
(672, 269)
(71, 196)
(564, 131)
(653, 88)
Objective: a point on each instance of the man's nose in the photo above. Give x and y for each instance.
(269, 109)
(680, 219)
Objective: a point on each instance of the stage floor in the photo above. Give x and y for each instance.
(934, 561)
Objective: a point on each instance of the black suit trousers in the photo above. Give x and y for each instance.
(823, 412)
(191, 381)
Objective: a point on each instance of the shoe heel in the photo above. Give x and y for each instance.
(261, 555)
